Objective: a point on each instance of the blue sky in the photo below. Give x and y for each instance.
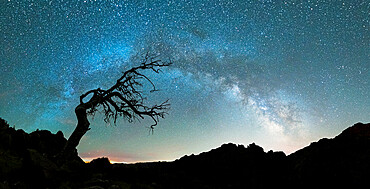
(278, 73)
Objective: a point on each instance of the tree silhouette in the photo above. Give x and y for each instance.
(123, 99)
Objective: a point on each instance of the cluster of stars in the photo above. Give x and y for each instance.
(293, 69)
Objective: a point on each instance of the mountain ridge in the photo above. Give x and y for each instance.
(26, 161)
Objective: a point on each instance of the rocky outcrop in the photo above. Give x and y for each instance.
(27, 161)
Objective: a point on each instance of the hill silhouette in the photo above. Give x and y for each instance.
(343, 161)
(27, 161)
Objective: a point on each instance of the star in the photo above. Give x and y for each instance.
(278, 73)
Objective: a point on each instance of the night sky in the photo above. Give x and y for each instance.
(281, 74)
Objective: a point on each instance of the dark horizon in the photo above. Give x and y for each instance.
(32, 161)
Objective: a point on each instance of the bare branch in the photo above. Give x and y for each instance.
(125, 99)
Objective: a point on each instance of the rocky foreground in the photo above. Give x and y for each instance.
(28, 161)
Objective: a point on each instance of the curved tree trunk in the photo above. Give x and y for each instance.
(69, 151)
(81, 128)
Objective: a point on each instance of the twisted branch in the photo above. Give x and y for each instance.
(124, 99)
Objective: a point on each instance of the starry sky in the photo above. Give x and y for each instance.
(281, 74)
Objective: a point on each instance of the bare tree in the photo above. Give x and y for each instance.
(123, 99)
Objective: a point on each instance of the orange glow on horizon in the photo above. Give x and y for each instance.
(118, 160)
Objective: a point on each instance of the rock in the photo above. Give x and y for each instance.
(100, 163)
